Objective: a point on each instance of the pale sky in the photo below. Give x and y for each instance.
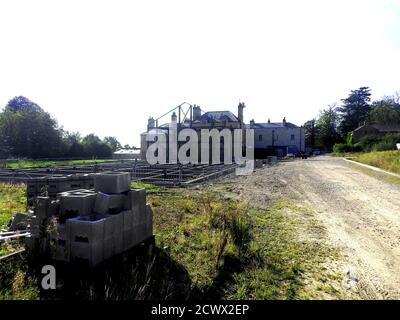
(106, 66)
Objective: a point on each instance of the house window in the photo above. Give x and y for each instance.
(260, 137)
(292, 137)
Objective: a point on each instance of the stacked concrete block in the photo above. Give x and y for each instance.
(18, 222)
(87, 239)
(127, 231)
(42, 207)
(77, 204)
(113, 235)
(136, 200)
(59, 243)
(92, 225)
(149, 221)
(109, 203)
(112, 182)
(57, 184)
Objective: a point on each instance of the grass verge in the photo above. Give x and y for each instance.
(386, 160)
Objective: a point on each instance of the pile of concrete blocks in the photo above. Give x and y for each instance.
(93, 225)
(57, 183)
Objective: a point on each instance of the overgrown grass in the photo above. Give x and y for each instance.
(38, 163)
(12, 200)
(387, 160)
(150, 188)
(286, 265)
(16, 280)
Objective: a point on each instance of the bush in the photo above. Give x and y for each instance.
(368, 142)
(343, 148)
(379, 143)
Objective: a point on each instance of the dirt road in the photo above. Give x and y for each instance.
(361, 215)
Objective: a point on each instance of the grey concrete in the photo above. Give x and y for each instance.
(102, 203)
(109, 203)
(113, 235)
(98, 225)
(42, 207)
(19, 222)
(87, 239)
(60, 245)
(112, 182)
(86, 229)
(149, 221)
(92, 253)
(81, 204)
(136, 200)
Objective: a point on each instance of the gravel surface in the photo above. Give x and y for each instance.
(360, 213)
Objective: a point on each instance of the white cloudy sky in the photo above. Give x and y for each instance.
(106, 66)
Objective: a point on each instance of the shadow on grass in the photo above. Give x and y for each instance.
(217, 290)
(143, 273)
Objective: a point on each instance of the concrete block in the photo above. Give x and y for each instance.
(117, 202)
(102, 203)
(113, 225)
(87, 239)
(19, 222)
(149, 221)
(112, 182)
(136, 200)
(128, 218)
(53, 208)
(36, 225)
(60, 245)
(113, 228)
(108, 248)
(88, 229)
(113, 235)
(42, 206)
(92, 253)
(128, 239)
(77, 204)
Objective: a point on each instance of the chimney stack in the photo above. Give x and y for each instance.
(196, 113)
(269, 121)
(174, 117)
(150, 123)
(241, 106)
(252, 124)
(284, 121)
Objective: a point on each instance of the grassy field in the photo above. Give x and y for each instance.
(386, 160)
(206, 247)
(38, 163)
(12, 200)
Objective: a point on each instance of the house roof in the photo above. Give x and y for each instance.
(219, 116)
(382, 127)
(272, 125)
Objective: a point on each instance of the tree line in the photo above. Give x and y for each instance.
(27, 131)
(335, 124)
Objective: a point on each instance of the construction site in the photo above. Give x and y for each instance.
(159, 174)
